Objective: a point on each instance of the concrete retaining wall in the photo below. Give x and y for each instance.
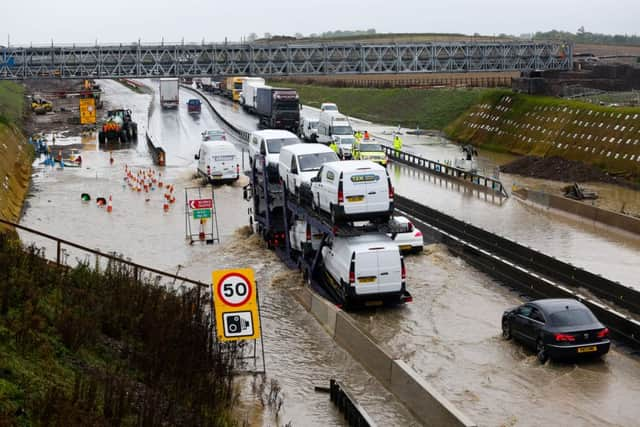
(588, 212)
(429, 406)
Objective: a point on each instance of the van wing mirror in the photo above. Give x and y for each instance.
(315, 179)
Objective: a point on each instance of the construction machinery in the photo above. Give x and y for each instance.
(118, 126)
(41, 106)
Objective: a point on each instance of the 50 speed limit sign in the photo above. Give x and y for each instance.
(234, 299)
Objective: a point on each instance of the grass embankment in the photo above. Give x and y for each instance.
(78, 347)
(607, 137)
(427, 109)
(15, 154)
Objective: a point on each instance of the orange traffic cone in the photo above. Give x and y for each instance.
(165, 205)
(110, 205)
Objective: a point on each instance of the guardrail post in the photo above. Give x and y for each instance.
(58, 252)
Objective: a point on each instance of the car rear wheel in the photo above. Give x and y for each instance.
(541, 351)
(506, 330)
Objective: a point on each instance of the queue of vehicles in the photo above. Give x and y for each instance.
(335, 219)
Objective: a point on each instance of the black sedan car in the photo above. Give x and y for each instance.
(557, 329)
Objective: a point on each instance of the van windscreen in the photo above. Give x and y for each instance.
(342, 130)
(312, 162)
(275, 145)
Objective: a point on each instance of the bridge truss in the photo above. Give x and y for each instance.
(139, 60)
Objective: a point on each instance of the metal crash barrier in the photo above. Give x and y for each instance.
(437, 168)
(347, 404)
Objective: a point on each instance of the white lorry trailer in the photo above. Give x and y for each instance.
(169, 92)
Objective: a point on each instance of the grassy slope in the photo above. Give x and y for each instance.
(545, 126)
(81, 348)
(15, 155)
(428, 109)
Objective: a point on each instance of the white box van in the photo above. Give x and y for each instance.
(218, 161)
(298, 163)
(353, 190)
(333, 126)
(268, 143)
(367, 267)
(328, 106)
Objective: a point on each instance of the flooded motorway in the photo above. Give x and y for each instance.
(451, 332)
(298, 352)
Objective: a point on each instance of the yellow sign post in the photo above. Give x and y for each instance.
(236, 305)
(87, 111)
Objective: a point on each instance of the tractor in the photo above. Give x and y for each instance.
(118, 127)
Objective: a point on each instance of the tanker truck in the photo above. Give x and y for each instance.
(118, 127)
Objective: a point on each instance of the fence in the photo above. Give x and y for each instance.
(446, 170)
(61, 257)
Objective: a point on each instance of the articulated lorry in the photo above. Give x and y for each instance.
(169, 92)
(233, 87)
(278, 108)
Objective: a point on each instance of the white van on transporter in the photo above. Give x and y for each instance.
(365, 268)
(269, 143)
(218, 161)
(298, 163)
(353, 190)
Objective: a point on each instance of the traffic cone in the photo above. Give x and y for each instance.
(109, 204)
(165, 205)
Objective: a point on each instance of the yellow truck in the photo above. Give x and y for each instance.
(233, 87)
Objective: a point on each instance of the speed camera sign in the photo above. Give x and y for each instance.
(235, 303)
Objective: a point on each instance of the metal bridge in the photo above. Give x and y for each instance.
(141, 60)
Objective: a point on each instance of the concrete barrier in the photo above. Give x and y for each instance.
(422, 399)
(582, 210)
(429, 406)
(372, 356)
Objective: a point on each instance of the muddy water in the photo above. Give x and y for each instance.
(604, 251)
(451, 335)
(298, 353)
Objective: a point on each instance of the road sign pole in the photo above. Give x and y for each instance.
(264, 362)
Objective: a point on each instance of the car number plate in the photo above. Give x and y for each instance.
(355, 198)
(373, 303)
(366, 279)
(589, 349)
(405, 247)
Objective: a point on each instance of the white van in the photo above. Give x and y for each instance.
(328, 106)
(218, 161)
(353, 190)
(304, 238)
(268, 143)
(298, 163)
(308, 129)
(365, 268)
(333, 126)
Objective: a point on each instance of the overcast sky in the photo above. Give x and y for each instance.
(85, 21)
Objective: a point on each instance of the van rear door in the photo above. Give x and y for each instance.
(389, 271)
(377, 193)
(366, 272)
(355, 191)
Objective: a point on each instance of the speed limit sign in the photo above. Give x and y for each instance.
(234, 289)
(235, 303)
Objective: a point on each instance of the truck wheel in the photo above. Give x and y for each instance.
(101, 137)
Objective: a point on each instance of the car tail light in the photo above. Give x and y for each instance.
(238, 169)
(565, 337)
(603, 333)
(308, 236)
(391, 192)
(403, 269)
(352, 269)
(418, 233)
(408, 299)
